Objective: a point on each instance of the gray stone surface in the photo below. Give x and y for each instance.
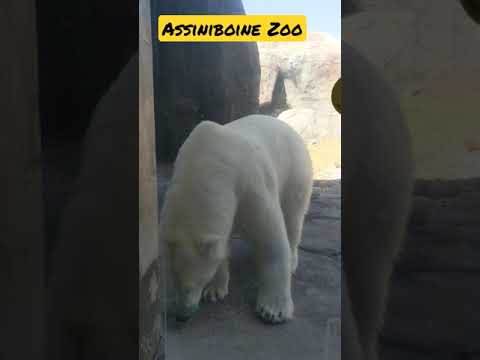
(230, 329)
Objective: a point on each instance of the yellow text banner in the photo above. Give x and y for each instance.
(231, 28)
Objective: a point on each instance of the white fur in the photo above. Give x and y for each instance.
(254, 172)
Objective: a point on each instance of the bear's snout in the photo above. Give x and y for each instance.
(185, 312)
(187, 303)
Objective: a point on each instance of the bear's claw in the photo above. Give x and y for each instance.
(275, 313)
(214, 294)
(270, 317)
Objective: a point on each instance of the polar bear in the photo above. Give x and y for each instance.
(377, 184)
(93, 302)
(256, 173)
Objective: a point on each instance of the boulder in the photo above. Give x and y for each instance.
(312, 124)
(296, 83)
(201, 81)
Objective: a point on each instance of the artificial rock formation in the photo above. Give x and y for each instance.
(201, 81)
(296, 84)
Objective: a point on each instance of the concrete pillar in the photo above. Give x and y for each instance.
(152, 330)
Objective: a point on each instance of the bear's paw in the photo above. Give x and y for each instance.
(214, 292)
(274, 309)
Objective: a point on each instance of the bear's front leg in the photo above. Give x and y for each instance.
(217, 288)
(267, 231)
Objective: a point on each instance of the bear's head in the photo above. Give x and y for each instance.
(194, 259)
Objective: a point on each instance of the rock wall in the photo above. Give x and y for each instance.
(296, 85)
(298, 78)
(201, 81)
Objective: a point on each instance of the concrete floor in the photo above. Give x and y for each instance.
(230, 329)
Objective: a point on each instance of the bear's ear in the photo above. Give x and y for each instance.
(210, 246)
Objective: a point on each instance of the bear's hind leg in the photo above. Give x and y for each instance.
(294, 225)
(295, 204)
(217, 288)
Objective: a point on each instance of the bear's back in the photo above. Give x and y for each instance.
(275, 143)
